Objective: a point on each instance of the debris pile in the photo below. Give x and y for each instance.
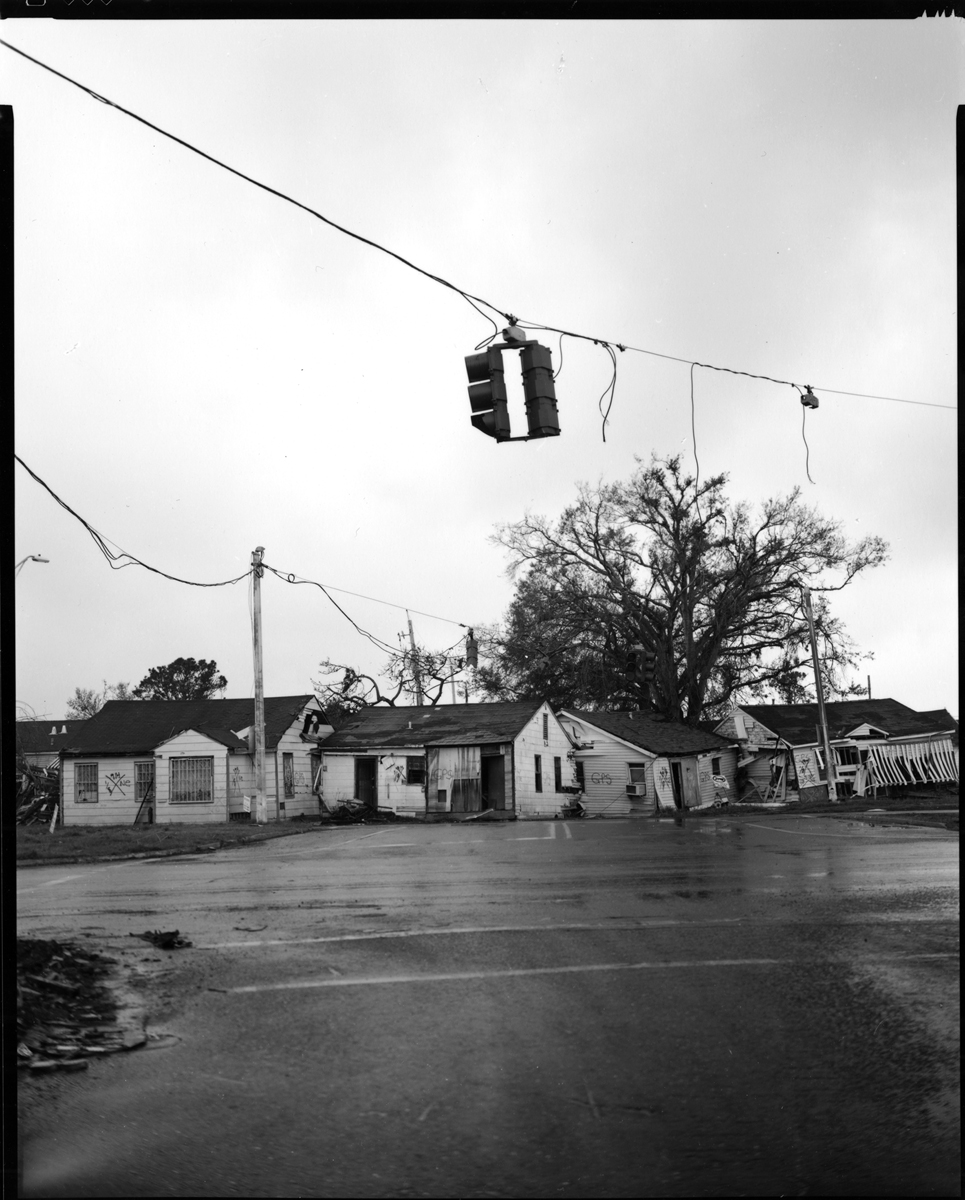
(65, 1011)
(38, 793)
(354, 812)
(171, 940)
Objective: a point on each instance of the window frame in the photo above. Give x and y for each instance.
(538, 770)
(78, 788)
(142, 793)
(640, 767)
(181, 761)
(557, 772)
(415, 775)
(288, 773)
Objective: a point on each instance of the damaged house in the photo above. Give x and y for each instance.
(875, 743)
(512, 760)
(190, 761)
(637, 764)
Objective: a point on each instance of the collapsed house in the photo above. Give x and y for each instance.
(874, 743)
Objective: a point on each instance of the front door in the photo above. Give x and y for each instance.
(494, 781)
(366, 789)
(689, 784)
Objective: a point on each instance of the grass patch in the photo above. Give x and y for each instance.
(79, 842)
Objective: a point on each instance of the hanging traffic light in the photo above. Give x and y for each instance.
(487, 393)
(487, 389)
(541, 414)
(635, 657)
(649, 666)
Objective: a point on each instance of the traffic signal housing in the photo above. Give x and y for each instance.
(487, 393)
(541, 413)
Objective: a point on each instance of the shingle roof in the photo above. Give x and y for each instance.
(440, 725)
(796, 723)
(138, 726)
(652, 733)
(34, 737)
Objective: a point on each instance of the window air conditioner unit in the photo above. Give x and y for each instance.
(636, 789)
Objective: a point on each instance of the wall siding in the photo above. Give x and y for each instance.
(338, 780)
(549, 802)
(304, 802)
(190, 744)
(115, 792)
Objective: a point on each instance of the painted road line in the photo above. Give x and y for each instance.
(49, 883)
(904, 830)
(546, 837)
(521, 972)
(566, 830)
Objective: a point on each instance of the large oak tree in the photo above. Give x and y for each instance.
(712, 588)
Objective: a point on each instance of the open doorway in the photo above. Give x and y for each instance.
(366, 788)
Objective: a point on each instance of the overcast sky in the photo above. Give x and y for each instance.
(203, 368)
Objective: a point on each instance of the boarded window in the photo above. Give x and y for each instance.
(316, 760)
(85, 783)
(143, 780)
(558, 773)
(415, 771)
(288, 771)
(192, 781)
(538, 764)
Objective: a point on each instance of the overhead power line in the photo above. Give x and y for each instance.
(474, 301)
(115, 557)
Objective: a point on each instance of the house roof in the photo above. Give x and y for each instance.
(138, 726)
(796, 723)
(35, 737)
(651, 732)
(944, 718)
(439, 725)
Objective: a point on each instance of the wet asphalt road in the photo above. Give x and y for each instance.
(629, 1008)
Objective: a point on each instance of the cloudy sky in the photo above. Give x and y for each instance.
(203, 368)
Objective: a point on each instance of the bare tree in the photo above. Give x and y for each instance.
(85, 701)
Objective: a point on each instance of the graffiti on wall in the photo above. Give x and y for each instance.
(117, 781)
(602, 777)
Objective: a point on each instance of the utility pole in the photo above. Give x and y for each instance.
(819, 689)
(260, 800)
(415, 663)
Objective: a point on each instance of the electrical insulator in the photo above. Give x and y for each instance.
(472, 650)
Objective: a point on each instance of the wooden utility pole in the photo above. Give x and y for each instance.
(829, 770)
(260, 799)
(417, 673)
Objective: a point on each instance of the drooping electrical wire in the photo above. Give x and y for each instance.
(114, 559)
(475, 301)
(807, 448)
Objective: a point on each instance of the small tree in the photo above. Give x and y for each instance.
(183, 679)
(85, 701)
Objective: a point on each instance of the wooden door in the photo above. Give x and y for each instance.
(690, 786)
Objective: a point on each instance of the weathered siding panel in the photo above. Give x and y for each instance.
(303, 802)
(190, 745)
(529, 743)
(115, 804)
(338, 780)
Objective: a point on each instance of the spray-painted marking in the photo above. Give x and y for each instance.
(460, 976)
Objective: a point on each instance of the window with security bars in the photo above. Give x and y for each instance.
(143, 780)
(288, 771)
(85, 783)
(192, 781)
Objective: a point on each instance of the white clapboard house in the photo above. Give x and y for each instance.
(636, 763)
(190, 761)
